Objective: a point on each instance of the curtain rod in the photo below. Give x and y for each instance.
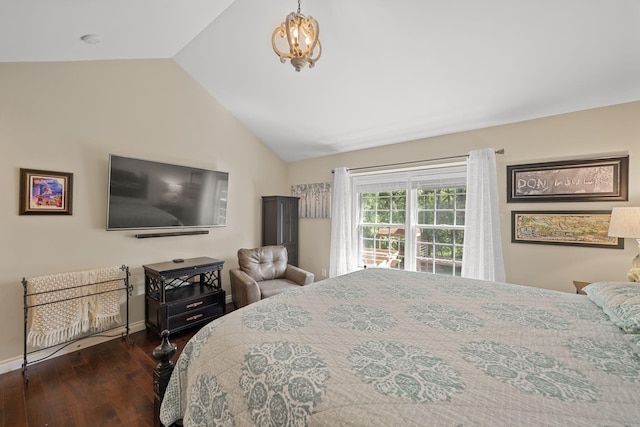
(499, 151)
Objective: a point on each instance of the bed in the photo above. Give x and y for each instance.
(383, 347)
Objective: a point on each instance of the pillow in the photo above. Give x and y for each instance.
(620, 301)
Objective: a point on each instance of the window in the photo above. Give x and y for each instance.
(382, 228)
(440, 230)
(426, 207)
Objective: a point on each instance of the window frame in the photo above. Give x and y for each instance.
(451, 175)
(455, 262)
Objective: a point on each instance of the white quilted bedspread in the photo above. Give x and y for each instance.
(392, 348)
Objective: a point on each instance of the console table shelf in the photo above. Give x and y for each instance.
(179, 295)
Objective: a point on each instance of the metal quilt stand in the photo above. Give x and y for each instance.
(126, 287)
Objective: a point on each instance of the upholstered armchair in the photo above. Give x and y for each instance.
(264, 272)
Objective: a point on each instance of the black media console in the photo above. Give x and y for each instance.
(179, 295)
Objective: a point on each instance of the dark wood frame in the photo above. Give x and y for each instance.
(163, 354)
(517, 232)
(564, 181)
(26, 180)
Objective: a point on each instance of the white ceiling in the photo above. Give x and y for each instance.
(391, 70)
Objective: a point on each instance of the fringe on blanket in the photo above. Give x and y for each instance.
(104, 307)
(80, 307)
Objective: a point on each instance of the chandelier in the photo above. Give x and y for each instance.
(301, 33)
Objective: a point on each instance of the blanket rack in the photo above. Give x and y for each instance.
(125, 287)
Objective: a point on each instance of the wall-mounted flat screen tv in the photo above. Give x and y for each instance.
(145, 195)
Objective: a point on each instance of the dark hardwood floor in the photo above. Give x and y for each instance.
(109, 384)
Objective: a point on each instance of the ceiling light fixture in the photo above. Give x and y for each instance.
(301, 33)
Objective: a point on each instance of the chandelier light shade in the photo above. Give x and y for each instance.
(301, 34)
(625, 222)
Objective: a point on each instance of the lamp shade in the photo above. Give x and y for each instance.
(625, 222)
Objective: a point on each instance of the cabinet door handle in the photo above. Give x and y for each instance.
(196, 317)
(194, 304)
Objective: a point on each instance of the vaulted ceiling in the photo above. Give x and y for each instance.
(390, 71)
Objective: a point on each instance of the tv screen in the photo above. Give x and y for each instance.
(145, 194)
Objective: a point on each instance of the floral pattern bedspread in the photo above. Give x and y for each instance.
(385, 347)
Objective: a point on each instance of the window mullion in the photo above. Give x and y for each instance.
(410, 229)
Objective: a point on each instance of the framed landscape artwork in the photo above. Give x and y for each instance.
(45, 192)
(571, 228)
(569, 181)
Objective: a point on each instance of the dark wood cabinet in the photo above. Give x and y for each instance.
(280, 224)
(179, 295)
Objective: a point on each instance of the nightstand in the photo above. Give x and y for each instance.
(183, 293)
(579, 285)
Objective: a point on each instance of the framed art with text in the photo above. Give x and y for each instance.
(569, 181)
(571, 228)
(45, 192)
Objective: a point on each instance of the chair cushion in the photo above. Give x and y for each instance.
(269, 288)
(265, 263)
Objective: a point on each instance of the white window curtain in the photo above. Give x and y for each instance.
(482, 254)
(341, 256)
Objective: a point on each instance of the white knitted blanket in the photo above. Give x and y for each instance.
(104, 307)
(66, 305)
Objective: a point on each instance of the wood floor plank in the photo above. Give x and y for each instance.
(12, 404)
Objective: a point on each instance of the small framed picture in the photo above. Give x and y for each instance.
(45, 192)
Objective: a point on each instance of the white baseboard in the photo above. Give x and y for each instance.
(16, 362)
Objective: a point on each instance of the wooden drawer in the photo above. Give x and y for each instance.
(193, 317)
(197, 309)
(196, 303)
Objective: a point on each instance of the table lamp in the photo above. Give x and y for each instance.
(625, 222)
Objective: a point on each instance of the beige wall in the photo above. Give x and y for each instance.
(594, 133)
(69, 117)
